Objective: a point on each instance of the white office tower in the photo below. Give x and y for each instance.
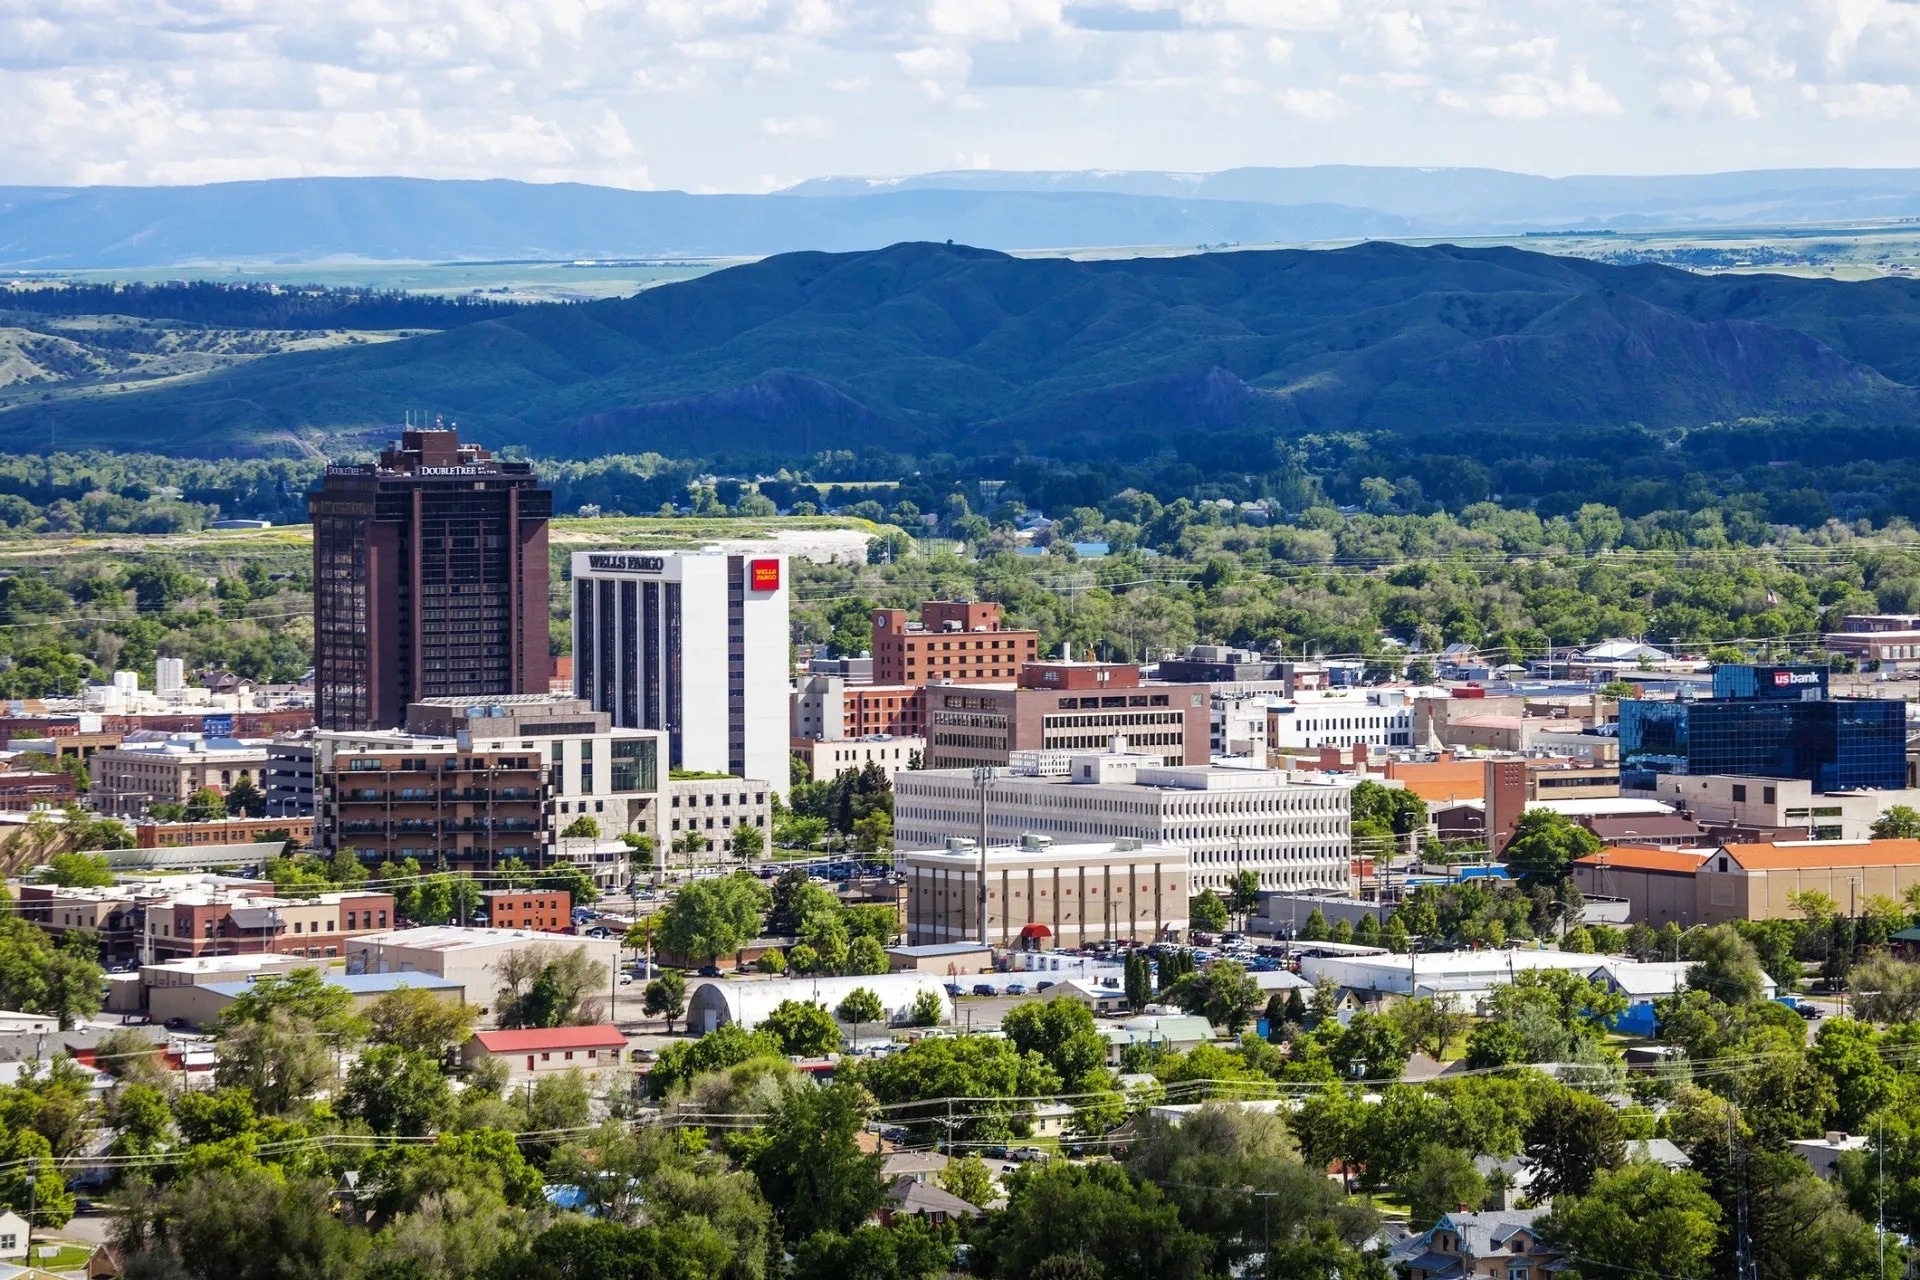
(169, 675)
(695, 643)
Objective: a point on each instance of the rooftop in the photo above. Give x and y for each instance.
(1630, 857)
(447, 937)
(359, 984)
(538, 1038)
(1789, 855)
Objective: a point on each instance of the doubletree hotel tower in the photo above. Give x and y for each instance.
(429, 581)
(694, 643)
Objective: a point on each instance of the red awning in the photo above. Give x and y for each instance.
(1035, 931)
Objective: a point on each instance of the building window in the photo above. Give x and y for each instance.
(1739, 793)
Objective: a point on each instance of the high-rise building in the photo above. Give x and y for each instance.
(694, 643)
(1767, 722)
(1065, 706)
(429, 581)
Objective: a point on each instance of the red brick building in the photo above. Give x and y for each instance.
(545, 909)
(961, 641)
(22, 791)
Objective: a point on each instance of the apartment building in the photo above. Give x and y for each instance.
(288, 778)
(1293, 831)
(956, 641)
(1066, 706)
(474, 785)
(177, 835)
(1042, 894)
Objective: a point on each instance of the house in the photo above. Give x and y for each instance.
(1660, 1151)
(1050, 1119)
(932, 1204)
(1502, 1243)
(543, 1050)
(921, 1166)
(1823, 1154)
(1100, 999)
(1176, 1032)
(13, 1235)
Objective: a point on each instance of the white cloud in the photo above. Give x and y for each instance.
(796, 127)
(712, 93)
(1310, 104)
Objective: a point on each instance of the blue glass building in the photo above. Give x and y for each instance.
(1764, 726)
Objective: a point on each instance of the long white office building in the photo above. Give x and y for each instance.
(1293, 830)
(693, 643)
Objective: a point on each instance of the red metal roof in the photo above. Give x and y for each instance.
(538, 1038)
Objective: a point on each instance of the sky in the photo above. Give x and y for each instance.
(751, 95)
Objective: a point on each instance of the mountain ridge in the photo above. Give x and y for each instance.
(953, 348)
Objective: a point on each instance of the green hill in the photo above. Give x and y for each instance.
(947, 348)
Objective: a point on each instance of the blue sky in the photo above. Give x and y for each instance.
(748, 95)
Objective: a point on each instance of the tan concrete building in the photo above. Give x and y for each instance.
(1776, 808)
(1749, 881)
(1658, 884)
(470, 957)
(826, 760)
(1045, 894)
(200, 1004)
(134, 775)
(550, 1050)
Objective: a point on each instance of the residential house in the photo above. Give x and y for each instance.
(932, 1204)
(545, 1050)
(1503, 1244)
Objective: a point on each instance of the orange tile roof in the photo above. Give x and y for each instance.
(1825, 853)
(1635, 857)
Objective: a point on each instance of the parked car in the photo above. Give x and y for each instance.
(955, 989)
(708, 971)
(983, 989)
(1016, 988)
(1042, 986)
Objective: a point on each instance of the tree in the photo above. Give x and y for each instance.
(79, 870)
(1244, 894)
(1544, 846)
(244, 799)
(1315, 929)
(1129, 1230)
(1886, 990)
(866, 957)
(538, 992)
(1370, 1047)
(728, 1045)
(1139, 979)
(1899, 822)
(1208, 912)
(397, 1090)
(928, 1009)
(1062, 1032)
(1442, 1179)
(584, 827)
(1631, 1215)
(810, 1166)
(1224, 993)
(874, 832)
(748, 842)
(862, 1006)
(420, 1021)
(933, 1069)
(206, 805)
(714, 917)
(969, 1178)
(802, 1028)
(1430, 1023)
(908, 1249)
(1572, 1138)
(1724, 965)
(246, 1223)
(666, 997)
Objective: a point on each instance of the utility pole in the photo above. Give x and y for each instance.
(983, 777)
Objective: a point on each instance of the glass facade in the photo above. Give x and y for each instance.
(1843, 745)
